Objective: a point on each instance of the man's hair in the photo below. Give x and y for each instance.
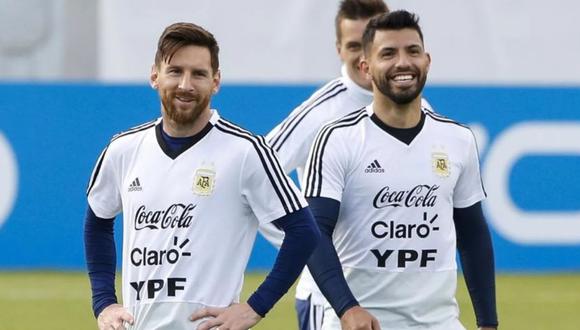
(358, 9)
(396, 20)
(179, 35)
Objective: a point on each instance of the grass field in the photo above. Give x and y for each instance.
(61, 301)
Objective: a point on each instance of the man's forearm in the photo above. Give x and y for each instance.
(301, 237)
(101, 260)
(324, 263)
(476, 254)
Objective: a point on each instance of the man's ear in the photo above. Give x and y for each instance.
(153, 77)
(217, 77)
(363, 65)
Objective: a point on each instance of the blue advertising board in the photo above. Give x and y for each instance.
(51, 135)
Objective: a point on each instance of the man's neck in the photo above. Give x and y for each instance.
(175, 129)
(397, 115)
(364, 84)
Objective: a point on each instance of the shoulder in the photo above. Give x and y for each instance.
(127, 139)
(345, 125)
(450, 127)
(233, 135)
(327, 96)
(329, 90)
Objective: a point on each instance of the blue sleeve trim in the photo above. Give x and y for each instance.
(101, 260)
(476, 255)
(324, 263)
(301, 237)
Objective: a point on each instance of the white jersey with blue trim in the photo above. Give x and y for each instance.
(395, 235)
(293, 137)
(189, 218)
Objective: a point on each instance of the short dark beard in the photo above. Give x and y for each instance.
(185, 118)
(404, 97)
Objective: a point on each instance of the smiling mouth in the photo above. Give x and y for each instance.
(185, 99)
(403, 77)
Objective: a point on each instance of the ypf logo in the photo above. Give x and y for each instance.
(8, 179)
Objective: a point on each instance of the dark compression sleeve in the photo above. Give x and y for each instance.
(476, 254)
(301, 236)
(101, 260)
(324, 263)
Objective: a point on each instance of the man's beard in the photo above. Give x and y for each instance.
(182, 117)
(403, 97)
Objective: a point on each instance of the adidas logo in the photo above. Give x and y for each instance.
(135, 185)
(375, 167)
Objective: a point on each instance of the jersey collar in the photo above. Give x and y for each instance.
(194, 139)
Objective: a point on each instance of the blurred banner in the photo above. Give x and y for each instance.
(262, 41)
(51, 136)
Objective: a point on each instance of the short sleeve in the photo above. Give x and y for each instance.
(103, 193)
(269, 192)
(326, 166)
(469, 189)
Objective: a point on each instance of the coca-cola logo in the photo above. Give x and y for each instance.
(418, 196)
(175, 216)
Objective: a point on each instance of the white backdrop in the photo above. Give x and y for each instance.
(475, 42)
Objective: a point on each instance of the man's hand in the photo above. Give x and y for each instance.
(357, 318)
(113, 317)
(235, 317)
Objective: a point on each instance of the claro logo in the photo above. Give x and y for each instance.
(8, 179)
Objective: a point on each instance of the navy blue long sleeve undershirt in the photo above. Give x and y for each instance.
(324, 263)
(101, 260)
(301, 237)
(476, 256)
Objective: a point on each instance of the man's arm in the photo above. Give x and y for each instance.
(326, 269)
(101, 261)
(476, 255)
(301, 237)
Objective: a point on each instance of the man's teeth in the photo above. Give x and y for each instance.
(403, 77)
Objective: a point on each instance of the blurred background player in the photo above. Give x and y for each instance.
(292, 138)
(190, 210)
(395, 189)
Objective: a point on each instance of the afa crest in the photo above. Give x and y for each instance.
(204, 181)
(440, 163)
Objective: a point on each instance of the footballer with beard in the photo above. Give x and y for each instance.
(395, 191)
(192, 188)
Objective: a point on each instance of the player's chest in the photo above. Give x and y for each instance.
(397, 175)
(153, 179)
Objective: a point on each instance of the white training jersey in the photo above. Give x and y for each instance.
(395, 235)
(189, 218)
(292, 140)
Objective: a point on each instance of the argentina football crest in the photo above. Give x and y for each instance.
(204, 180)
(440, 164)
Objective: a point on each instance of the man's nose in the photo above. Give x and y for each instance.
(185, 82)
(403, 60)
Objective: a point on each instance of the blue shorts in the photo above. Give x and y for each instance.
(309, 316)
